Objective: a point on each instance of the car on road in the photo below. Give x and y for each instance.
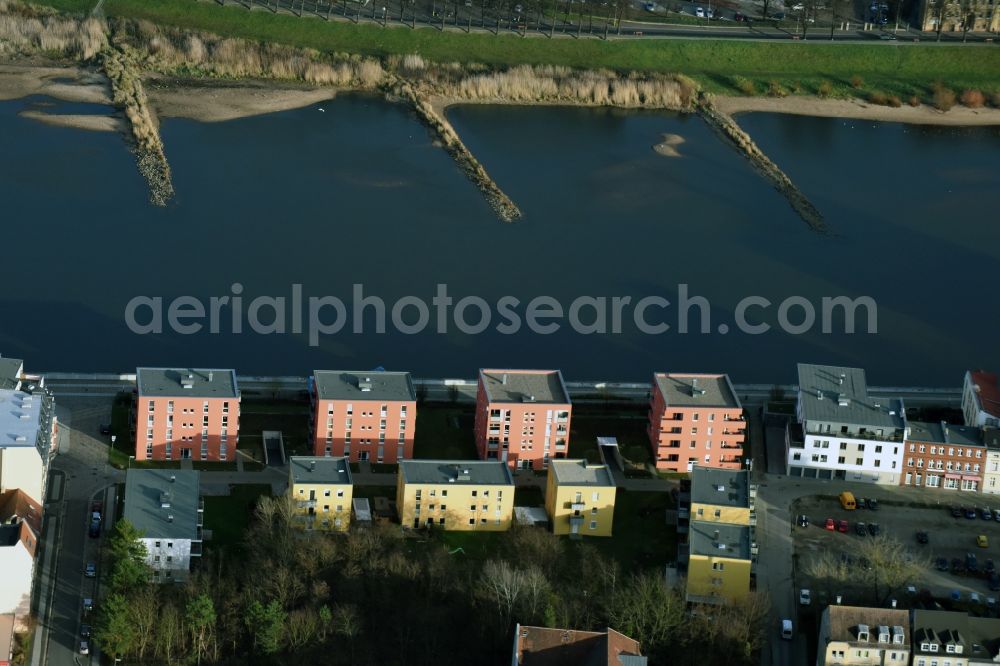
(873, 504)
(95, 527)
(84, 646)
(874, 529)
(803, 520)
(830, 524)
(982, 541)
(786, 629)
(956, 512)
(843, 526)
(90, 571)
(860, 529)
(941, 564)
(699, 12)
(923, 538)
(88, 604)
(805, 597)
(85, 630)
(970, 512)
(986, 513)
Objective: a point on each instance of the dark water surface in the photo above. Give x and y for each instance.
(358, 193)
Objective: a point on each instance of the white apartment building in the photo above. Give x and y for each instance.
(28, 430)
(842, 433)
(981, 399)
(165, 505)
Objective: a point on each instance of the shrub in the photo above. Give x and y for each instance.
(857, 81)
(914, 100)
(943, 98)
(894, 101)
(744, 85)
(972, 98)
(825, 89)
(774, 89)
(878, 97)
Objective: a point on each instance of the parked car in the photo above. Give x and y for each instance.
(860, 503)
(699, 12)
(989, 567)
(803, 520)
(994, 582)
(84, 646)
(956, 566)
(843, 526)
(830, 524)
(982, 541)
(922, 538)
(941, 564)
(986, 513)
(956, 512)
(996, 515)
(105, 429)
(970, 512)
(90, 571)
(860, 529)
(85, 630)
(873, 504)
(970, 563)
(786, 629)
(88, 604)
(805, 597)
(874, 529)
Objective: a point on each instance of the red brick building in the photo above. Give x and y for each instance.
(941, 455)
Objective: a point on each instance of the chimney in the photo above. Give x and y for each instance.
(173, 477)
(187, 381)
(312, 465)
(211, 375)
(504, 379)
(841, 380)
(170, 517)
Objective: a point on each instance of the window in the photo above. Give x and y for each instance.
(593, 524)
(718, 566)
(859, 461)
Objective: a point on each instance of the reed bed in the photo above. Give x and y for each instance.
(26, 30)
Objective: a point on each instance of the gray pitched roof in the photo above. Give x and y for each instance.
(579, 473)
(146, 492)
(719, 540)
(735, 484)
(26, 419)
(459, 472)
(979, 636)
(542, 386)
(171, 382)
(363, 385)
(838, 394)
(319, 469)
(10, 369)
(696, 390)
(943, 433)
(844, 623)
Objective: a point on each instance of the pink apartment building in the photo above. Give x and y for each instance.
(186, 414)
(363, 415)
(695, 419)
(522, 417)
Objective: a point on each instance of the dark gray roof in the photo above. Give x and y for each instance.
(147, 490)
(319, 469)
(542, 386)
(719, 540)
(351, 384)
(170, 383)
(991, 438)
(979, 636)
(696, 390)
(10, 370)
(579, 473)
(943, 433)
(837, 394)
(735, 484)
(460, 472)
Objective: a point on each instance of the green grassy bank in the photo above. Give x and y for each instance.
(800, 66)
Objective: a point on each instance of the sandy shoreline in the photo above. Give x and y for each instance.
(91, 122)
(856, 109)
(217, 101)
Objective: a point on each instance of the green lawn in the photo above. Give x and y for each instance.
(445, 433)
(228, 517)
(799, 65)
(474, 545)
(290, 418)
(641, 537)
(627, 425)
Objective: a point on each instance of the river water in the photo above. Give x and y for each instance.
(358, 194)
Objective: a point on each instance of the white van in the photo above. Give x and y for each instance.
(786, 629)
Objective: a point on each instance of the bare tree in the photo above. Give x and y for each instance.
(144, 611)
(503, 585)
(891, 566)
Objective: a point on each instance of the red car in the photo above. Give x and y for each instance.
(829, 524)
(843, 526)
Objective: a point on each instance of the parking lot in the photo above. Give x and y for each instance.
(950, 538)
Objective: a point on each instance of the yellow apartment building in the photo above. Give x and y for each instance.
(455, 494)
(580, 498)
(322, 490)
(720, 496)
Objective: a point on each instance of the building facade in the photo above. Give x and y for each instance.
(955, 16)
(165, 506)
(522, 417)
(363, 415)
(859, 636)
(991, 472)
(20, 527)
(842, 432)
(29, 434)
(544, 646)
(946, 637)
(186, 414)
(695, 419)
(580, 498)
(459, 495)
(719, 536)
(941, 455)
(322, 490)
(981, 399)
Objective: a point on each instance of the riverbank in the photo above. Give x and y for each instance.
(857, 110)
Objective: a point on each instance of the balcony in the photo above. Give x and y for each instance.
(307, 504)
(739, 419)
(492, 446)
(869, 436)
(577, 506)
(738, 431)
